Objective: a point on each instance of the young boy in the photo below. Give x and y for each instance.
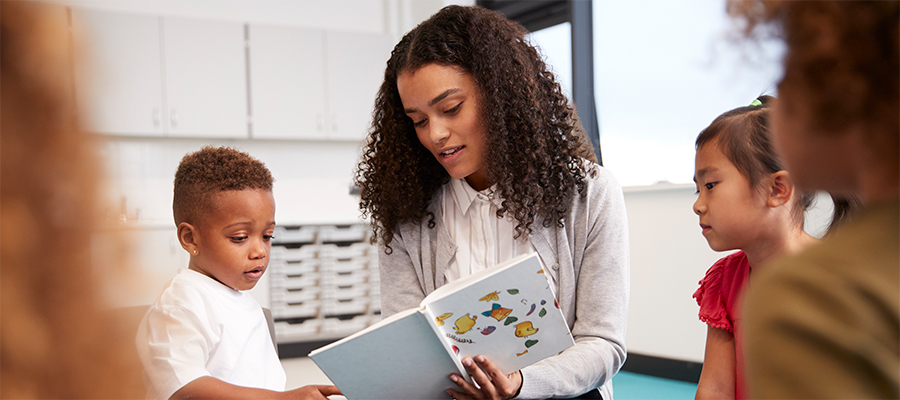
(205, 337)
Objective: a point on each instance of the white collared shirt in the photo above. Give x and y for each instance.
(483, 240)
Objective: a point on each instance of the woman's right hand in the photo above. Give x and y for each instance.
(494, 384)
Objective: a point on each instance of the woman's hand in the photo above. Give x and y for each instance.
(494, 384)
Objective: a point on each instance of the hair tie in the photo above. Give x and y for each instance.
(756, 102)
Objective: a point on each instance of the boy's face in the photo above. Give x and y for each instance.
(234, 239)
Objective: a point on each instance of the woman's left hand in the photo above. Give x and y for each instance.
(494, 384)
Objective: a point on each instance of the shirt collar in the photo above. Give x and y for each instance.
(464, 195)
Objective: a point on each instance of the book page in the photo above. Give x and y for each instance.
(507, 313)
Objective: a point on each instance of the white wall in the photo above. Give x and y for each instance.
(669, 256)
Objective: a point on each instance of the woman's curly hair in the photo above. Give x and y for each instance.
(534, 144)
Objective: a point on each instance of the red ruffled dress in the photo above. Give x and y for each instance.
(719, 297)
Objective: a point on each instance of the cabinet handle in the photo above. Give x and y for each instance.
(173, 118)
(156, 117)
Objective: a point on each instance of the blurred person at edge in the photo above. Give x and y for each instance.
(56, 341)
(825, 323)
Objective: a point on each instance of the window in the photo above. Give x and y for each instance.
(663, 70)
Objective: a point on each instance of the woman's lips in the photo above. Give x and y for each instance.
(450, 153)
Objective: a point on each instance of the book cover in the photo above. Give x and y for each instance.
(507, 312)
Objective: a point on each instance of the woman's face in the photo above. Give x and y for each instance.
(442, 102)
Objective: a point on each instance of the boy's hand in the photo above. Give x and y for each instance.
(207, 387)
(310, 392)
(493, 383)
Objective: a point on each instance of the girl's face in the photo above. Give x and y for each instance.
(442, 102)
(731, 210)
(234, 240)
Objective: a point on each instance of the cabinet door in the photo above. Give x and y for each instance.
(206, 80)
(117, 73)
(355, 69)
(287, 88)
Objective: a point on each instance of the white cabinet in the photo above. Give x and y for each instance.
(154, 76)
(287, 85)
(312, 84)
(118, 77)
(146, 75)
(355, 69)
(206, 79)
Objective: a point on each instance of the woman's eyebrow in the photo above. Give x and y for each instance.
(435, 100)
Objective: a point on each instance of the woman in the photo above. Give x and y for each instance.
(475, 157)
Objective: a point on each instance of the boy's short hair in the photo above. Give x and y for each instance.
(210, 170)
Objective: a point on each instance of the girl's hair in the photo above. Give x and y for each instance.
(534, 144)
(743, 135)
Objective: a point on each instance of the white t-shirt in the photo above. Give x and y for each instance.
(200, 327)
(484, 240)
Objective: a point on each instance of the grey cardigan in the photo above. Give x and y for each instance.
(589, 263)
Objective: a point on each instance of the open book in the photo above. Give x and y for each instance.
(507, 312)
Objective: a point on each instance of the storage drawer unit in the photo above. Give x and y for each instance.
(324, 282)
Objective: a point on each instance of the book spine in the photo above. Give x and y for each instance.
(426, 313)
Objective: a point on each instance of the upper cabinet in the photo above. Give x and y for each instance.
(206, 78)
(355, 69)
(146, 75)
(118, 75)
(287, 89)
(153, 76)
(312, 84)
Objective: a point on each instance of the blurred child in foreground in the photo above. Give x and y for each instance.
(58, 340)
(826, 323)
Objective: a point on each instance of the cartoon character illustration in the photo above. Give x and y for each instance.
(525, 329)
(464, 323)
(529, 343)
(488, 330)
(490, 297)
(532, 309)
(497, 312)
(513, 291)
(440, 318)
(510, 320)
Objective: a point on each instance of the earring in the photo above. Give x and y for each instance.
(195, 252)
